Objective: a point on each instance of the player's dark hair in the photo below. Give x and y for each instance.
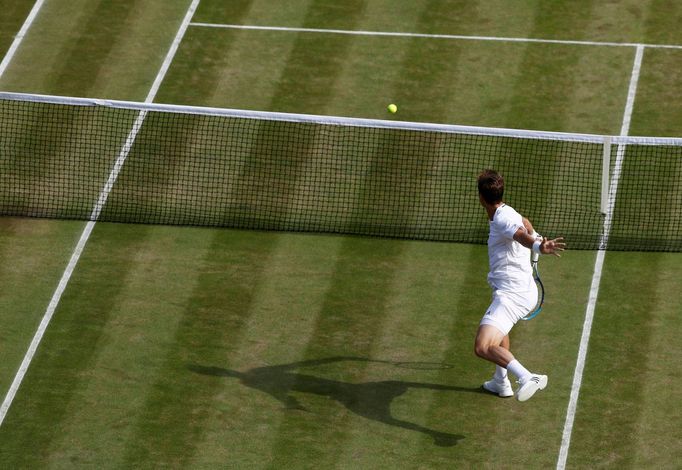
(491, 186)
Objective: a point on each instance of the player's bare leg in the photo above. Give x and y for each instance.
(506, 343)
(489, 346)
(493, 345)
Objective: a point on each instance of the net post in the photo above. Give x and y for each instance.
(605, 169)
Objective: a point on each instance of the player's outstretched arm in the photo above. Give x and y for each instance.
(546, 247)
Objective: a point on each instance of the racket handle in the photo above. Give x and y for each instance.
(534, 257)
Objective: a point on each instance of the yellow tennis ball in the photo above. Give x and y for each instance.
(392, 108)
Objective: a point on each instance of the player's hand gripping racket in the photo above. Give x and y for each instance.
(540, 286)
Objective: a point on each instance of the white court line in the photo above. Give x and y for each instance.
(104, 194)
(433, 36)
(598, 265)
(20, 36)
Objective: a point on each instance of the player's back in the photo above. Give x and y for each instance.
(510, 268)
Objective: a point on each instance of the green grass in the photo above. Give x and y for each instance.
(624, 21)
(145, 378)
(626, 418)
(656, 112)
(95, 48)
(649, 201)
(183, 347)
(13, 15)
(29, 274)
(528, 86)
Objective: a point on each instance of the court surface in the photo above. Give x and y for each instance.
(196, 347)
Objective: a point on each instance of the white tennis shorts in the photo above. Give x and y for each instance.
(509, 307)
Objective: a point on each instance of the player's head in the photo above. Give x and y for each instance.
(490, 186)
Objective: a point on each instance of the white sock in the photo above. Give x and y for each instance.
(500, 373)
(518, 370)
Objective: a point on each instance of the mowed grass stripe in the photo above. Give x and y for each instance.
(14, 15)
(428, 68)
(656, 112)
(319, 59)
(59, 25)
(376, 75)
(296, 281)
(126, 357)
(198, 69)
(130, 68)
(32, 255)
(208, 69)
(661, 23)
(386, 15)
(102, 22)
(60, 368)
(353, 312)
(333, 319)
(422, 310)
(291, 12)
(228, 281)
(609, 421)
(452, 412)
(550, 95)
(535, 89)
(658, 434)
(245, 415)
(96, 49)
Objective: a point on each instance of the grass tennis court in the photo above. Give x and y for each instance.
(200, 348)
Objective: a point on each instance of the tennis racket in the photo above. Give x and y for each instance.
(541, 289)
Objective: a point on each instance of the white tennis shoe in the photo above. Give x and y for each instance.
(503, 388)
(531, 385)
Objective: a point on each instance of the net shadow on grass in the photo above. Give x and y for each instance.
(371, 400)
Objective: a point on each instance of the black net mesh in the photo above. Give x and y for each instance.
(323, 175)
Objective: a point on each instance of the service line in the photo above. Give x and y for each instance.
(432, 36)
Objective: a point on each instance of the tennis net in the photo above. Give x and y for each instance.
(128, 162)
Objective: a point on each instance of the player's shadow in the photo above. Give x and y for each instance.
(371, 400)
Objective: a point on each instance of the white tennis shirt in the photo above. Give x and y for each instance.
(510, 268)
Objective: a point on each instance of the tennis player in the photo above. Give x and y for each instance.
(510, 242)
